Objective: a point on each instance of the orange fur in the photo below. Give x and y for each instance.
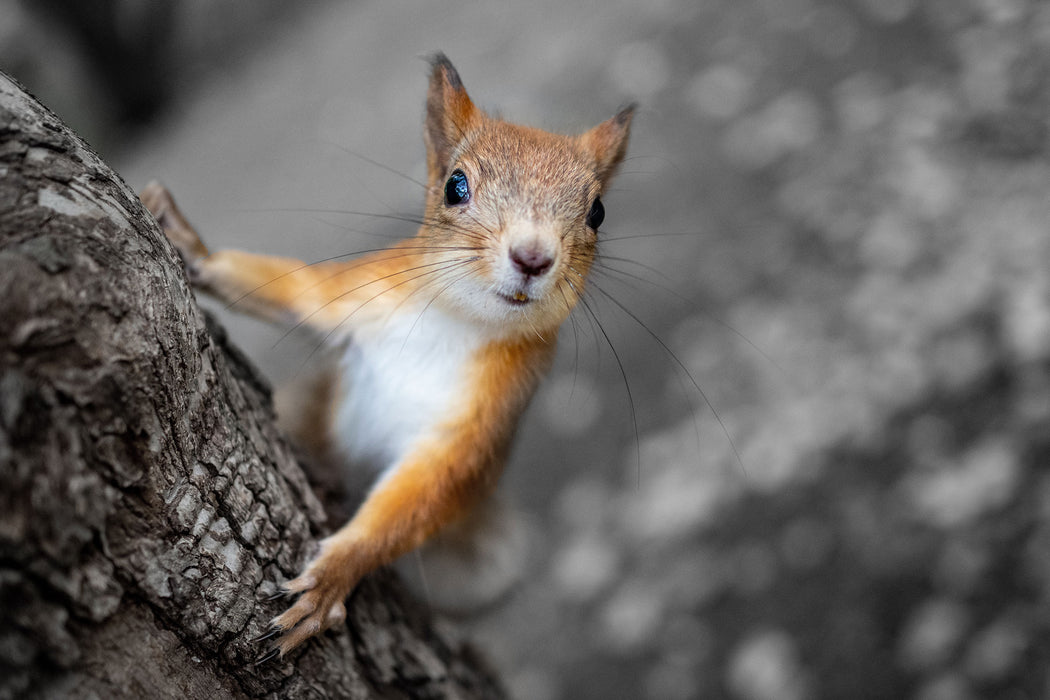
(449, 473)
(531, 191)
(321, 296)
(442, 479)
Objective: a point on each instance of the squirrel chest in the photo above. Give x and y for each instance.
(448, 334)
(401, 377)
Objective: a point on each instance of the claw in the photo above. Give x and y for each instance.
(298, 634)
(268, 656)
(310, 615)
(321, 591)
(279, 595)
(271, 632)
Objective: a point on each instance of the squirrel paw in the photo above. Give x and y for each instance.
(161, 204)
(322, 592)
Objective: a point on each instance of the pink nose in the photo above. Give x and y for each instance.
(531, 261)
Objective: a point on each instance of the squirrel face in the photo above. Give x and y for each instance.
(523, 205)
(526, 219)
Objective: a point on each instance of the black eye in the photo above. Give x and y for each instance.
(457, 189)
(596, 215)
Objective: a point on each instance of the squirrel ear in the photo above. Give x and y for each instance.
(607, 142)
(450, 114)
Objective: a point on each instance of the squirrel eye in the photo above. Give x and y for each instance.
(457, 189)
(596, 215)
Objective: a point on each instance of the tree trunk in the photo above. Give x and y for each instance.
(149, 506)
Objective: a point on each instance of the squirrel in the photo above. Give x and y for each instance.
(442, 337)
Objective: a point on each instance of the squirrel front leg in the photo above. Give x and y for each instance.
(274, 288)
(432, 488)
(444, 476)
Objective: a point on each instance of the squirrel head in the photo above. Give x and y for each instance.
(521, 205)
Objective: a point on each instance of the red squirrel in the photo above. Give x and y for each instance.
(443, 337)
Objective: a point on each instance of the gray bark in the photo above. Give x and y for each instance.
(149, 505)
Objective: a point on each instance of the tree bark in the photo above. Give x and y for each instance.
(148, 504)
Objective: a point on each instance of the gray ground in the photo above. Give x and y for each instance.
(833, 213)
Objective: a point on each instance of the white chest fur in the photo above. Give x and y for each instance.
(400, 379)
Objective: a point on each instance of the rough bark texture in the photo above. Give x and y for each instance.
(149, 506)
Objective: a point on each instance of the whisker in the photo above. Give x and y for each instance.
(622, 172)
(481, 225)
(356, 263)
(683, 368)
(403, 218)
(575, 338)
(333, 300)
(602, 268)
(345, 212)
(414, 250)
(359, 231)
(612, 239)
(590, 319)
(328, 335)
(664, 160)
(605, 258)
(630, 393)
(425, 222)
(431, 301)
(678, 378)
(626, 384)
(376, 163)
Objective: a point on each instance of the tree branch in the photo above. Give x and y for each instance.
(149, 505)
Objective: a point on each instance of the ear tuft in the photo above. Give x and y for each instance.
(607, 142)
(439, 62)
(450, 116)
(626, 114)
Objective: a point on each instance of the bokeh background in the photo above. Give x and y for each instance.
(833, 217)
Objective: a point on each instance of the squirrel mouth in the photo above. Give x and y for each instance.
(518, 298)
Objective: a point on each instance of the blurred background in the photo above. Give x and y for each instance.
(832, 218)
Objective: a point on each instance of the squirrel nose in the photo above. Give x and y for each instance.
(530, 260)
